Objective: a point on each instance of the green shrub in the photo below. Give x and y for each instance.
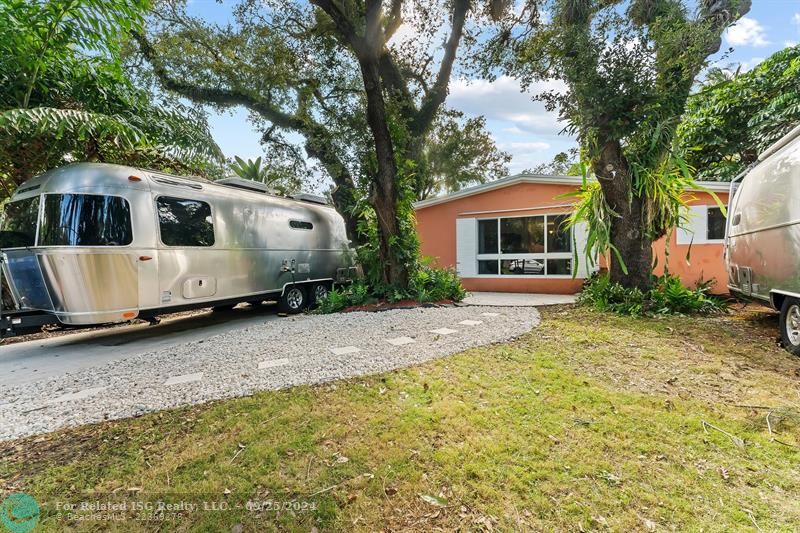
(427, 284)
(357, 293)
(668, 296)
(333, 302)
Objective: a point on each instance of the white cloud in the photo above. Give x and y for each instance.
(750, 63)
(796, 18)
(747, 32)
(525, 146)
(503, 100)
(788, 44)
(519, 125)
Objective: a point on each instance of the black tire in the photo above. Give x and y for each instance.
(223, 308)
(294, 300)
(318, 292)
(790, 325)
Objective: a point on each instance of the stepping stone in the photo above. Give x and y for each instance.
(490, 314)
(80, 395)
(444, 331)
(185, 378)
(273, 363)
(471, 322)
(399, 341)
(344, 350)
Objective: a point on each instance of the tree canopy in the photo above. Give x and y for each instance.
(730, 121)
(459, 153)
(66, 98)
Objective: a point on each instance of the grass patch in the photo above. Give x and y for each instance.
(592, 421)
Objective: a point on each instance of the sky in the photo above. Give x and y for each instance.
(519, 125)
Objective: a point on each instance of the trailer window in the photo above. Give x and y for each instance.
(19, 223)
(85, 220)
(185, 222)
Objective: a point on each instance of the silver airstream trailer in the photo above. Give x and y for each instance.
(762, 245)
(89, 244)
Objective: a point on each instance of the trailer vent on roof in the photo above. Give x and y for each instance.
(306, 197)
(249, 185)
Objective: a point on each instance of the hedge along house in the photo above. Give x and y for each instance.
(508, 236)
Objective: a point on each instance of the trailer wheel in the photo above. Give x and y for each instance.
(318, 292)
(790, 325)
(294, 299)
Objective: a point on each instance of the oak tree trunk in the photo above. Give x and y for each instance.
(384, 194)
(627, 235)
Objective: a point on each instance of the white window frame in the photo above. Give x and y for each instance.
(697, 230)
(543, 256)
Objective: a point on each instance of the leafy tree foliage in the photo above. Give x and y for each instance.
(563, 164)
(65, 98)
(459, 152)
(731, 120)
(272, 176)
(330, 71)
(628, 67)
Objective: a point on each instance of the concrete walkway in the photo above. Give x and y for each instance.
(517, 299)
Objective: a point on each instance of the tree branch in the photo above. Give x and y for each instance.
(434, 98)
(215, 95)
(344, 26)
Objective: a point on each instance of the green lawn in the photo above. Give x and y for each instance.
(590, 422)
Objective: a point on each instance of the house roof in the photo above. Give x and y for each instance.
(508, 181)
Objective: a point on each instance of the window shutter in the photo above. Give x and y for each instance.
(695, 230)
(581, 233)
(466, 247)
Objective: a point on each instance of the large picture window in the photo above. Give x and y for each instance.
(185, 222)
(85, 220)
(522, 235)
(539, 245)
(487, 236)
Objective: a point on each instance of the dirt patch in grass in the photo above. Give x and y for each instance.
(576, 426)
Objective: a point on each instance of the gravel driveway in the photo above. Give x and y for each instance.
(278, 354)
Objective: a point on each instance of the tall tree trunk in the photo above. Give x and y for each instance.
(383, 195)
(627, 235)
(319, 147)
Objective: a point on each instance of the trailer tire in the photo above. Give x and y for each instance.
(318, 292)
(294, 299)
(790, 325)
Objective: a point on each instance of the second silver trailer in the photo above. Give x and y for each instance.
(762, 247)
